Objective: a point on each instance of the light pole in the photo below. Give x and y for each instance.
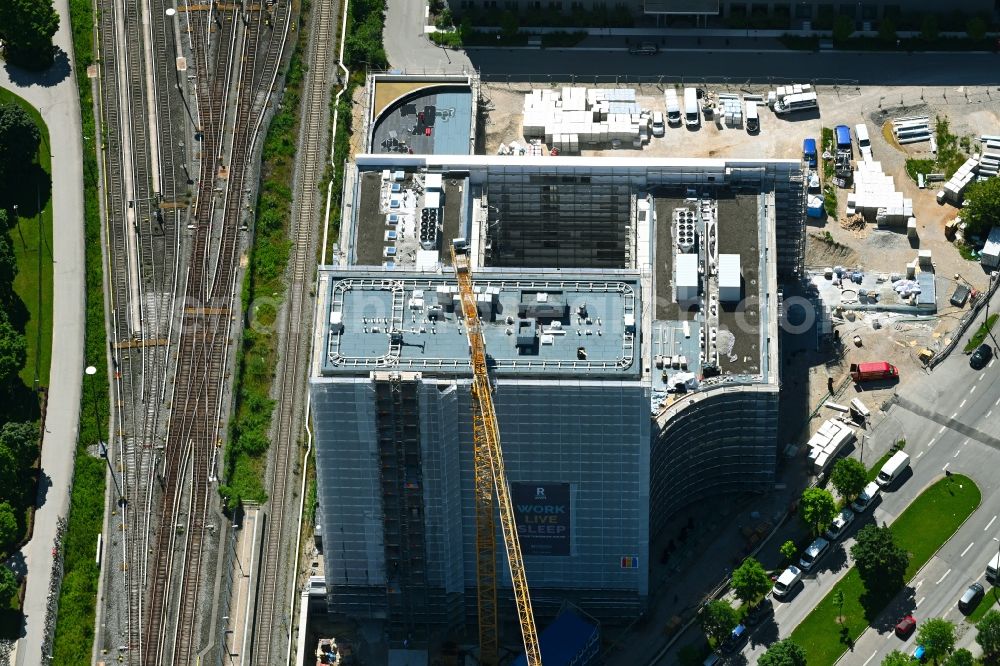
(102, 445)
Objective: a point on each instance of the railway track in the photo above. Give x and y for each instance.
(278, 556)
(247, 53)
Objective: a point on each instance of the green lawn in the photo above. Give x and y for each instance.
(921, 529)
(981, 333)
(34, 264)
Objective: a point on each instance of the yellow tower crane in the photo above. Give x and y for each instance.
(490, 477)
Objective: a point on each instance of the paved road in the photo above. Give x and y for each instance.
(947, 420)
(924, 69)
(54, 93)
(408, 49)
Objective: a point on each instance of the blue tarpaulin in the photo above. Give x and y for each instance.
(569, 641)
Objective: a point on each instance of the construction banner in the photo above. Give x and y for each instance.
(542, 514)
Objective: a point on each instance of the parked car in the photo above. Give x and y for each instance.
(973, 595)
(906, 626)
(787, 581)
(645, 48)
(736, 638)
(866, 498)
(813, 553)
(980, 357)
(840, 524)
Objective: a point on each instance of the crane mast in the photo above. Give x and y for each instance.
(491, 477)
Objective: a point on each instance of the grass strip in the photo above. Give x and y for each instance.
(33, 250)
(980, 334)
(877, 467)
(74, 631)
(930, 520)
(990, 601)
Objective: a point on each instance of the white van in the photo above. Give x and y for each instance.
(866, 498)
(657, 123)
(864, 143)
(692, 118)
(892, 469)
(672, 106)
(992, 568)
(753, 120)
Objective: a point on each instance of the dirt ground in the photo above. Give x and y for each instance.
(970, 111)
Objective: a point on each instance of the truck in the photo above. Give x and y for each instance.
(842, 139)
(673, 107)
(864, 372)
(991, 569)
(692, 118)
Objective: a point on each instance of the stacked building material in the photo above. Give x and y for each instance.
(875, 197)
(954, 190)
(573, 118)
(730, 110)
(989, 157)
(911, 129)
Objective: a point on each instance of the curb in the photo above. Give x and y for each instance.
(933, 481)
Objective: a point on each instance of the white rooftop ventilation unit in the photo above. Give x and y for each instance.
(684, 230)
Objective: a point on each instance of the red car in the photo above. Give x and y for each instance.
(906, 626)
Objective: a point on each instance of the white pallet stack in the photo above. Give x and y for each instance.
(572, 118)
(911, 129)
(875, 197)
(989, 158)
(954, 190)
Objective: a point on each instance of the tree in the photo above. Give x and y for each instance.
(843, 28)
(880, 561)
(8, 262)
(976, 29)
(718, 619)
(937, 635)
(981, 209)
(8, 528)
(13, 352)
(22, 439)
(26, 30)
(508, 24)
(788, 550)
(887, 30)
(817, 508)
(783, 653)
(897, 658)
(8, 586)
(750, 582)
(849, 477)
(929, 28)
(19, 137)
(838, 600)
(988, 635)
(961, 657)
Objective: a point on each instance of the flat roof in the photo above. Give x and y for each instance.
(399, 320)
(739, 233)
(435, 120)
(390, 233)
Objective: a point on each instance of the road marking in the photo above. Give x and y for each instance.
(870, 658)
(974, 387)
(954, 415)
(956, 454)
(962, 404)
(917, 605)
(945, 467)
(997, 403)
(942, 428)
(989, 524)
(991, 363)
(967, 549)
(982, 375)
(941, 578)
(989, 413)
(917, 585)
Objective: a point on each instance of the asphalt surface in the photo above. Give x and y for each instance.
(408, 49)
(933, 412)
(54, 94)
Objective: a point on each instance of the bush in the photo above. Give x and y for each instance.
(981, 209)
(452, 39)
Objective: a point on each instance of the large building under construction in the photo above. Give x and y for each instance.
(630, 311)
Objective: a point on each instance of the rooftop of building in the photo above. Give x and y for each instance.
(536, 323)
(435, 121)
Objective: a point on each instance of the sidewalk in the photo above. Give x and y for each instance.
(54, 94)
